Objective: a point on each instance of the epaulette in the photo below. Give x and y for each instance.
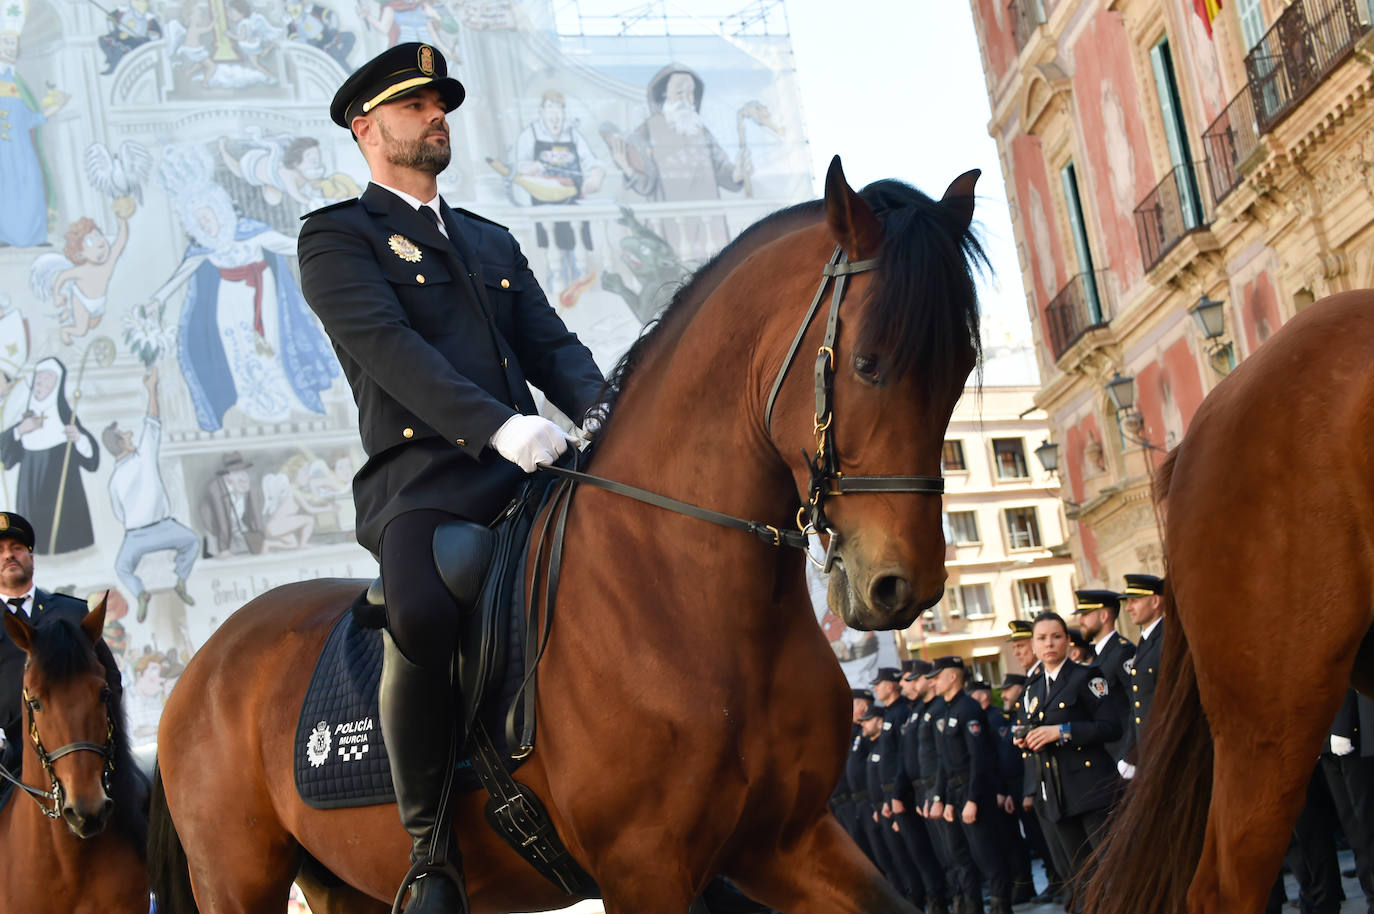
(325, 209)
(472, 215)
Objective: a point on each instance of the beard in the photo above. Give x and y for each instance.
(419, 154)
(682, 117)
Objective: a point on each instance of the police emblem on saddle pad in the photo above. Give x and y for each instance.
(317, 747)
(404, 248)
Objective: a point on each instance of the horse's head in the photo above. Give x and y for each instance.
(70, 718)
(906, 340)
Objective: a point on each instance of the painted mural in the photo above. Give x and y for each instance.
(172, 417)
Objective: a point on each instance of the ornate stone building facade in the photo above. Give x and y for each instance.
(1179, 189)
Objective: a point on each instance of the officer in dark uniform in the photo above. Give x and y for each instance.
(887, 689)
(910, 826)
(966, 787)
(438, 324)
(1009, 787)
(1096, 612)
(24, 599)
(1348, 763)
(842, 799)
(1145, 605)
(953, 856)
(855, 779)
(1065, 724)
(871, 815)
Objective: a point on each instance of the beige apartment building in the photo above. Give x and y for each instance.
(1004, 526)
(1180, 188)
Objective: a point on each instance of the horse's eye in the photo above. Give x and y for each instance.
(867, 366)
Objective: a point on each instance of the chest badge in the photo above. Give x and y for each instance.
(404, 248)
(1034, 703)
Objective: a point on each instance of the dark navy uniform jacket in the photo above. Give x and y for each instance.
(856, 774)
(1144, 676)
(1009, 762)
(890, 748)
(927, 752)
(909, 740)
(1114, 662)
(1077, 775)
(438, 337)
(45, 606)
(968, 754)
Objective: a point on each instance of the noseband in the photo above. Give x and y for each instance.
(50, 800)
(827, 479)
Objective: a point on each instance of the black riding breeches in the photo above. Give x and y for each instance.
(421, 615)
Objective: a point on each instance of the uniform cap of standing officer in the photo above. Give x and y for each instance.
(391, 75)
(1089, 600)
(953, 662)
(1143, 585)
(1021, 630)
(918, 669)
(16, 527)
(874, 711)
(888, 674)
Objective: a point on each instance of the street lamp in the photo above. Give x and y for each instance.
(1210, 315)
(1048, 455)
(1121, 391)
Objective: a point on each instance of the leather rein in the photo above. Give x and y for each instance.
(827, 480)
(50, 801)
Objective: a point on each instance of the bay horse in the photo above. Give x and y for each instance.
(76, 844)
(1269, 537)
(693, 718)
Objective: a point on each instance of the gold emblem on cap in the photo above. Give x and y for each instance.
(404, 248)
(4, 521)
(426, 60)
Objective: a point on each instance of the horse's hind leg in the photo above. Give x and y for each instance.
(327, 894)
(1266, 746)
(823, 872)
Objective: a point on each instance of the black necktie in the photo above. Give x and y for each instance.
(433, 217)
(18, 604)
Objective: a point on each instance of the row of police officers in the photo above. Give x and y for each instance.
(948, 794)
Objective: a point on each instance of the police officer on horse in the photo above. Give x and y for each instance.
(439, 325)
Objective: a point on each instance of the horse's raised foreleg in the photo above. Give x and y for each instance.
(823, 872)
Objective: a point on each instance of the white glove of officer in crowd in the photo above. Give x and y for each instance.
(1126, 769)
(1340, 745)
(2, 740)
(529, 441)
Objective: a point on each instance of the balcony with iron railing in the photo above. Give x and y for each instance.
(1025, 15)
(1229, 141)
(1079, 307)
(1177, 207)
(1309, 39)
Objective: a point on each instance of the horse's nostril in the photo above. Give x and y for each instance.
(890, 592)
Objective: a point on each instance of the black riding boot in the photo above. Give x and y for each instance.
(418, 711)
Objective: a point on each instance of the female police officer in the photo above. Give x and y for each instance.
(1064, 723)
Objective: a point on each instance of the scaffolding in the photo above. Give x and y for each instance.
(587, 18)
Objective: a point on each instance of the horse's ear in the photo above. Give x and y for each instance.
(94, 623)
(959, 196)
(20, 632)
(851, 220)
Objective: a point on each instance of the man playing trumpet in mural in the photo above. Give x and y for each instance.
(439, 325)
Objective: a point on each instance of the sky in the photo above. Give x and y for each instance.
(896, 89)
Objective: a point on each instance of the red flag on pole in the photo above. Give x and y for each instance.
(1208, 10)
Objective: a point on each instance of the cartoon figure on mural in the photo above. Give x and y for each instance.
(24, 183)
(280, 166)
(253, 35)
(672, 156)
(293, 502)
(198, 42)
(230, 512)
(140, 503)
(131, 25)
(318, 26)
(76, 281)
(245, 336)
(655, 265)
(555, 166)
(51, 447)
(403, 21)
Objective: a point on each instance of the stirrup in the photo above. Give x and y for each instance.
(425, 868)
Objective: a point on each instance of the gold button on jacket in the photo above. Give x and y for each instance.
(407, 433)
(505, 283)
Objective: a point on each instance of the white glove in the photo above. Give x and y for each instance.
(1126, 769)
(529, 441)
(1341, 746)
(2, 739)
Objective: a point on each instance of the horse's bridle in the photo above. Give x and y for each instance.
(826, 477)
(50, 800)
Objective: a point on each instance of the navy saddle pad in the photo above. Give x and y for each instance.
(340, 759)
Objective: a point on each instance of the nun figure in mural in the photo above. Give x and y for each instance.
(245, 337)
(672, 156)
(51, 448)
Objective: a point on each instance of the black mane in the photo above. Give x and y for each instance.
(923, 306)
(62, 651)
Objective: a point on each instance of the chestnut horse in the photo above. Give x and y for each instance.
(693, 719)
(1269, 533)
(74, 845)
